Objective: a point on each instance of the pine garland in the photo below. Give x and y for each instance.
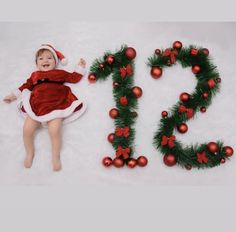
(200, 155)
(121, 66)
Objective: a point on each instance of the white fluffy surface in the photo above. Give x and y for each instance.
(84, 141)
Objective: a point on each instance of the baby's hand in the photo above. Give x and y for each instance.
(82, 63)
(9, 98)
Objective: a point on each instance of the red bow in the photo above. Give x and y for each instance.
(122, 131)
(123, 152)
(168, 141)
(202, 158)
(188, 111)
(126, 71)
(170, 53)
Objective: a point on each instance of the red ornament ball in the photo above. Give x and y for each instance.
(137, 91)
(113, 113)
(132, 163)
(92, 78)
(107, 161)
(130, 53)
(196, 69)
(156, 72)
(182, 128)
(203, 109)
(164, 114)
(134, 114)
(193, 52)
(222, 160)
(111, 137)
(142, 161)
(177, 45)
(205, 95)
(229, 151)
(213, 147)
(169, 160)
(205, 51)
(157, 51)
(110, 59)
(118, 163)
(211, 83)
(124, 101)
(184, 97)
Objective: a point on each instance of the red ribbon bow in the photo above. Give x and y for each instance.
(168, 141)
(123, 152)
(122, 131)
(188, 111)
(126, 71)
(202, 158)
(170, 53)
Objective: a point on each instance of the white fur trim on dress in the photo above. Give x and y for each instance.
(68, 114)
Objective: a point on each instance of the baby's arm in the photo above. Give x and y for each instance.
(79, 72)
(9, 98)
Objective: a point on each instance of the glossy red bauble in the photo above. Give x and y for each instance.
(142, 161)
(92, 78)
(229, 151)
(110, 59)
(164, 114)
(137, 91)
(107, 161)
(130, 53)
(169, 160)
(177, 45)
(132, 163)
(156, 72)
(113, 113)
(213, 147)
(182, 128)
(124, 101)
(196, 69)
(157, 51)
(184, 97)
(205, 95)
(118, 163)
(193, 52)
(205, 51)
(111, 137)
(203, 109)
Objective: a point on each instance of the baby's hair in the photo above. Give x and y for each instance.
(40, 52)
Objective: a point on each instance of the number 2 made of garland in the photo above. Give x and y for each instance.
(200, 156)
(121, 66)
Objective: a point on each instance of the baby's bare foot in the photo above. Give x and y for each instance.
(56, 163)
(28, 161)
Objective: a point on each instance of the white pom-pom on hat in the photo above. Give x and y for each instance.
(57, 55)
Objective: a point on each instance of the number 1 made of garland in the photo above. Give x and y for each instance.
(121, 66)
(200, 156)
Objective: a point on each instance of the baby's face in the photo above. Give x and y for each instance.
(46, 61)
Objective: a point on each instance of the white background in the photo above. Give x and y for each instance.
(85, 195)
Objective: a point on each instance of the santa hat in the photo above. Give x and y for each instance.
(57, 55)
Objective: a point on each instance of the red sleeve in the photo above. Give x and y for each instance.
(73, 77)
(27, 85)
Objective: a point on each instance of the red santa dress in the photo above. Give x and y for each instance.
(45, 97)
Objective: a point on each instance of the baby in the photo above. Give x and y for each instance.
(46, 100)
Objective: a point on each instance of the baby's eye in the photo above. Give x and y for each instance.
(49, 58)
(40, 58)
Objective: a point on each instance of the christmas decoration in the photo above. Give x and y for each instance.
(107, 161)
(164, 114)
(157, 51)
(182, 128)
(142, 161)
(137, 91)
(121, 66)
(156, 72)
(204, 155)
(177, 45)
(114, 113)
(228, 150)
(169, 160)
(130, 53)
(92, 78)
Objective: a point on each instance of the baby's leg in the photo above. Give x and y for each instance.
(54, 129)
(29, 128)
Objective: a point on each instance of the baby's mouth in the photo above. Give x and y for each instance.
(46, 65)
